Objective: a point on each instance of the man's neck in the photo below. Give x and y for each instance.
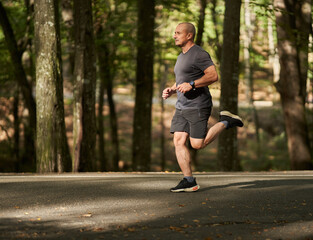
(187, 46)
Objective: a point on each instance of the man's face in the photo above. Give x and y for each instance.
(181, 36)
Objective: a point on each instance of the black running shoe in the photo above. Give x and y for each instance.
(232, 119)
(185, 186)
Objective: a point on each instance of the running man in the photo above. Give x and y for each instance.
(194, 72)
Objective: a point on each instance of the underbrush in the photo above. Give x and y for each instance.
(262, 148)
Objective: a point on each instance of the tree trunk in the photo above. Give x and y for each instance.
(227, 145)
(107, 82)
(114, 124)
(101, 140)
(106, 50)
(52, 147)
(16, 129)
(247, 34)
(25, 87)
(84, 117)
(200, 31)
(248, 76)
(144, 86)
(163, 80)
(103, 160)
(68, 19)
(163, 160)
(273, 56)
(293, 25)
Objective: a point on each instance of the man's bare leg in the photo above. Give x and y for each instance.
(227, 120)
(188, 184)
(212, 134)
(182, 153)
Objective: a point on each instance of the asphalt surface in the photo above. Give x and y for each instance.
(140, 206)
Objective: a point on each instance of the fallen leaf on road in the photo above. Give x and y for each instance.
(87, 215)
(97, 229)
(177, 229)
(186, 226)
(32, 220)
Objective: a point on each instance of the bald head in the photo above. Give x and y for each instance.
(189, 28)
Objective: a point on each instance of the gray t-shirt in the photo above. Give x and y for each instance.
(191, 66)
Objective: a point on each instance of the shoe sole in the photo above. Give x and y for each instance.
(192, 189)
(229, 114)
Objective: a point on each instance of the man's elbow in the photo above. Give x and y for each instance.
(215, 78)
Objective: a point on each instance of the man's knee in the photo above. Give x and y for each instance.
(180, 139)
(196, 143)
(196, 146)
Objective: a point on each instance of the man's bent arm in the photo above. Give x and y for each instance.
(210, 76)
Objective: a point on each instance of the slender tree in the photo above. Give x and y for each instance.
(106, 83)
(273, 57)
(25, 88)
(227, 145)
(293, 21)
(113, 115)
(163, 79)
(16, 128)
(247, 35)
(104, 72)
(144, 86)
(107, 43)
(84, 117)
(201, 19)
(67, 13)
(52, 147)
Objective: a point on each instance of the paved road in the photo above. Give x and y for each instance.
(140, 206)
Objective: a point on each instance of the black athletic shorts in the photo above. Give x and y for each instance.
(192, 121)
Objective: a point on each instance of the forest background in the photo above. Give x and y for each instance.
(110, 59)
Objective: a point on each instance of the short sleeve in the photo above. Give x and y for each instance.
(203, 60)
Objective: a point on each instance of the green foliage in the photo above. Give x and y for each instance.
(17, 14)
(271, 152)
(114, 23)
(6, 74)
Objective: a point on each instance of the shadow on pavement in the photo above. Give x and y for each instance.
(132, 208)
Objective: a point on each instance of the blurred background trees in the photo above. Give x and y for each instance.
(227, 141)
(109, 59)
